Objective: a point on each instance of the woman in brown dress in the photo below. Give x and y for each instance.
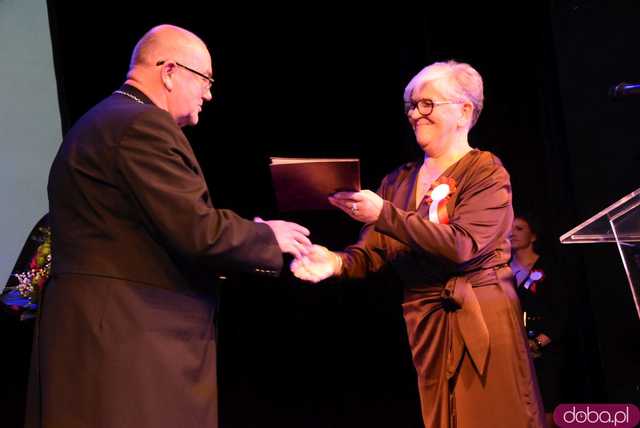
(442, 227)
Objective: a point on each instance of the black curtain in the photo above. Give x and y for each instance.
(596, 154)
(328, 81)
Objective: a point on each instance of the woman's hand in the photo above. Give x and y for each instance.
(364, 206)
(536, 345)
(318, 264)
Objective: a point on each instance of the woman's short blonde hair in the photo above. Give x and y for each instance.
(457, 81)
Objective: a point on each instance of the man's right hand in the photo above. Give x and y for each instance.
(291, 237)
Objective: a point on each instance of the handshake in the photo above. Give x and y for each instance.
(312, 262)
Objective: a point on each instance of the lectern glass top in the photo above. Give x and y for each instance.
(623, 214)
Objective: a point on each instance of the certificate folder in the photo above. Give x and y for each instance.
(305, 183)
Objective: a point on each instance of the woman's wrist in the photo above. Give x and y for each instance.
(337, 266)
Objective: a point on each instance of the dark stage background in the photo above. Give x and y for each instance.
(326, 81)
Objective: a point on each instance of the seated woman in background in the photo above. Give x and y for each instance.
(534, 288)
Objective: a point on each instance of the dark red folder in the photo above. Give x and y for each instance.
(305, 183)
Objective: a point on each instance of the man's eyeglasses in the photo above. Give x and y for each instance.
(425, 105)
(208, 79)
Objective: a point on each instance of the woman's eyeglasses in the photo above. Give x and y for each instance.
(425, 105)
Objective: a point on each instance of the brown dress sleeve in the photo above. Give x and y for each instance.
(371, 251)
(482, 210)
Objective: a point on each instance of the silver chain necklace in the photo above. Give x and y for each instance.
(133, 97)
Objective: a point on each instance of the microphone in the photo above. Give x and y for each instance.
(624, 90)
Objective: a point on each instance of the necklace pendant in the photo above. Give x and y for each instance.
(127, 94)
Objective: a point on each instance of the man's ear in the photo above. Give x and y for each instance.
(167, 75)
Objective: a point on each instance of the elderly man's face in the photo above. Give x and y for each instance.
(191, 90)
(434, 132)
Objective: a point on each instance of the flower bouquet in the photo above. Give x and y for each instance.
(22, 292)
